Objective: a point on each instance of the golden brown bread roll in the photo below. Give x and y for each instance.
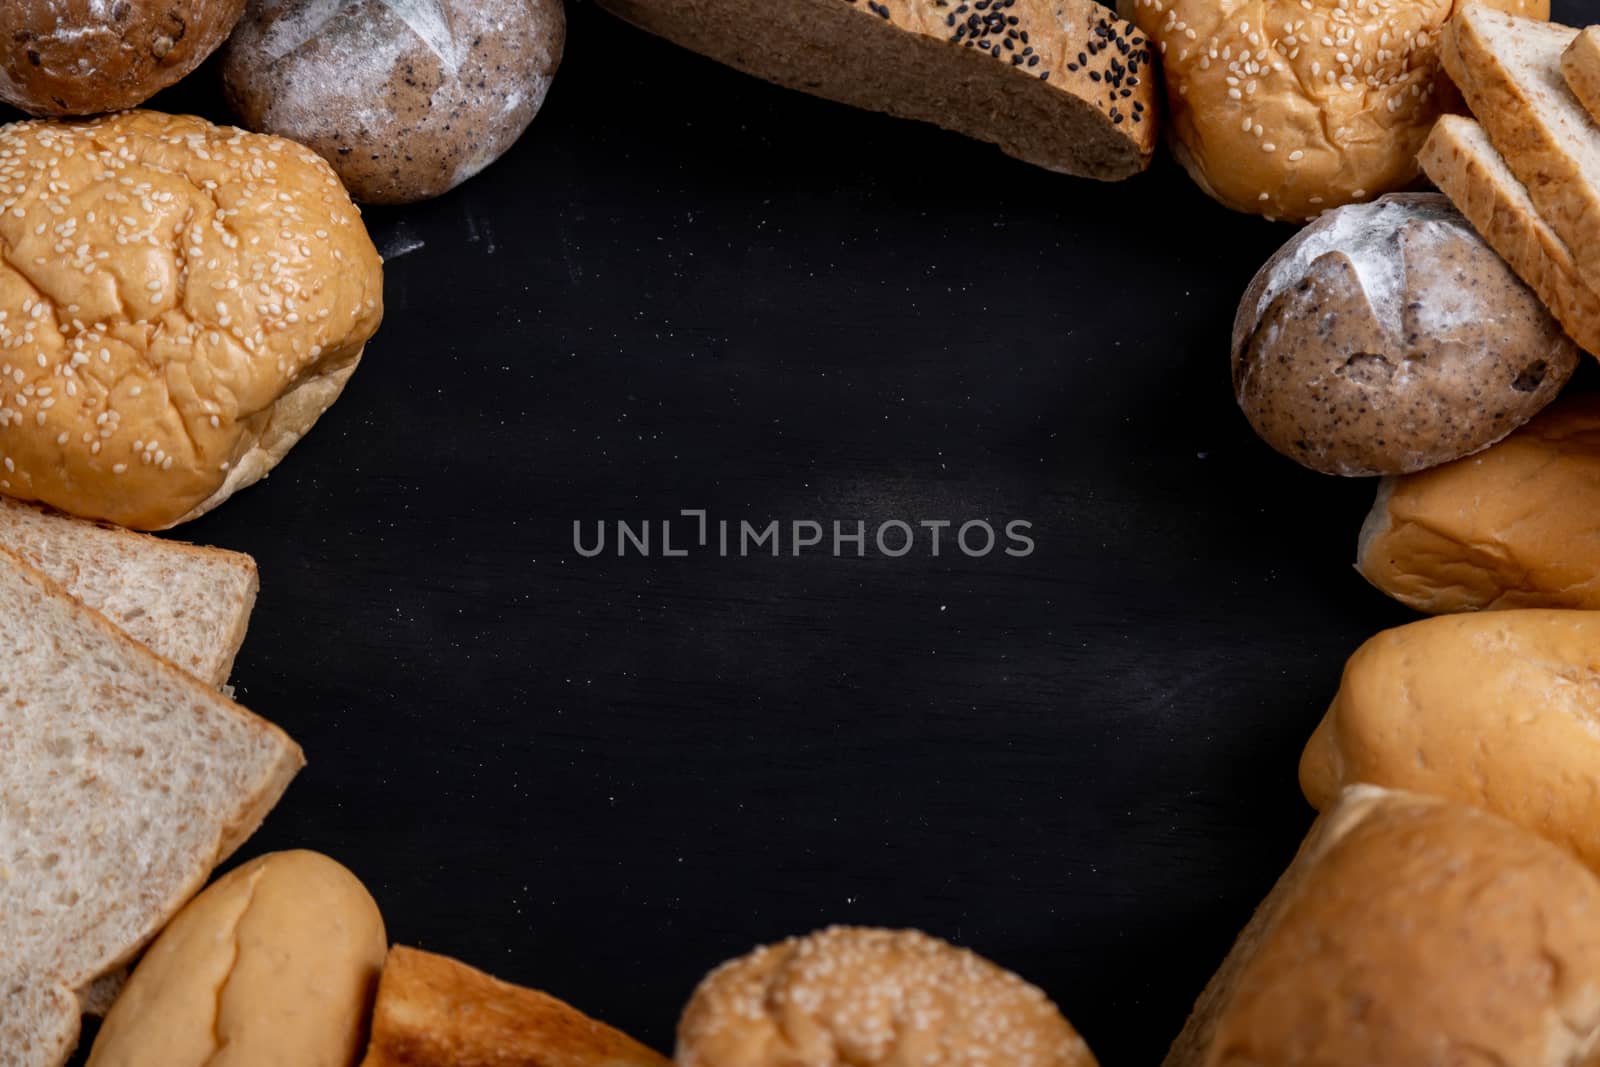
(435, 1012)
(1511, 527)
(872, 998)
(1410, 931)
(1494, 709)
(81, 57)
(179, 302)
(1287, 108)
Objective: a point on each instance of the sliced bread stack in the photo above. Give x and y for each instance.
(124, 780)
(1527, 171)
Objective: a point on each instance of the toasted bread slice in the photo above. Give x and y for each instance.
(1580, 65)
(1464, 165)
(1509, 71)
(435, 1012)
(186, 603)
(124, 782)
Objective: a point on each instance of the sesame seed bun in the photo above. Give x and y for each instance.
(1287, 108)
(179, 302)
(869, 998)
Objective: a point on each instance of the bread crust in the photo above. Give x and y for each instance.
(83, 57)
(181, 301)
(871, 998)
(1093, 116)
(1289, 109)
(1580, 66)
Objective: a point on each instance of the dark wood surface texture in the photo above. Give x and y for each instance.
(687, 289)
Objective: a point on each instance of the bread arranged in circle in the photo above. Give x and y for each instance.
(871, 998)
(179, 303)
(82, 57)
(1388, 337)
(406, 98)
(1288, 108)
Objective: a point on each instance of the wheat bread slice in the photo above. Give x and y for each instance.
(1461, 161)
(1064, 84)
(123, 782)
(186, 603)
(1580, 66)
(1509, 71)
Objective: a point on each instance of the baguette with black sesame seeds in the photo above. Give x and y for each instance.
(1063, 84)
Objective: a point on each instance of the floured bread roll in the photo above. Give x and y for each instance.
(872, 998)
(179, 302)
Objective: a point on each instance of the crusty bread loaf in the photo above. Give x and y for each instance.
(125, 781)
(1511, 527)
(1286, 108)
(1409, 930)
(1494, 709)
(1063, 84)
(1580, 66)
(179, 302)
(186, 603)
(1509, 71)
(871, 998)
(433, 1011)
(1462, 162)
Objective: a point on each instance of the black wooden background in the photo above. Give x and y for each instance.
(688, 289)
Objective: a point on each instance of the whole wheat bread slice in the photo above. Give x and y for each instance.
(1460, 160)
(123, 782)
(1580, 66)
(1064, 84)
(1509, 71)
(186, 603)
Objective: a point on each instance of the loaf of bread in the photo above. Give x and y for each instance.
(1286, 108)
(1388, 337)
(433, 1011)
(475, 74)
(274, 964)
(179, 302)
(1511, 527)
(1410, 930)
(871, 998)
(1494, 709)
(82, 57)
(1063, 84)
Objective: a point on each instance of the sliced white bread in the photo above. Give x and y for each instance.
(1464, 165)
(123, 782)
(186, 603)
(1580, 65)
(1509, 71)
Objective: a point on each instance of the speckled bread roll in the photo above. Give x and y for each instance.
(1511, 527)
(1287, 108)
(1410, 931)
(1387, 337)
(1494, 709)
(82, 57)
(871, 998)
(179, 302)
(405, 98)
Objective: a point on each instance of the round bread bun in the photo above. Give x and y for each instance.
(1287, 108)
(871, 998)
(408, 99)
(82, 57)
(179, 302)
(1388, 337)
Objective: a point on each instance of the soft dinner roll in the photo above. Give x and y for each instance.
(1511, 527)
(275, 964)
(179, 302)
(1410, 931)
(80, 57)
(1494, 709)
(1286, 108)
(871, 998)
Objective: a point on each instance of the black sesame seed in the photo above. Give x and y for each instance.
(1094, 75)
(1044, 77)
